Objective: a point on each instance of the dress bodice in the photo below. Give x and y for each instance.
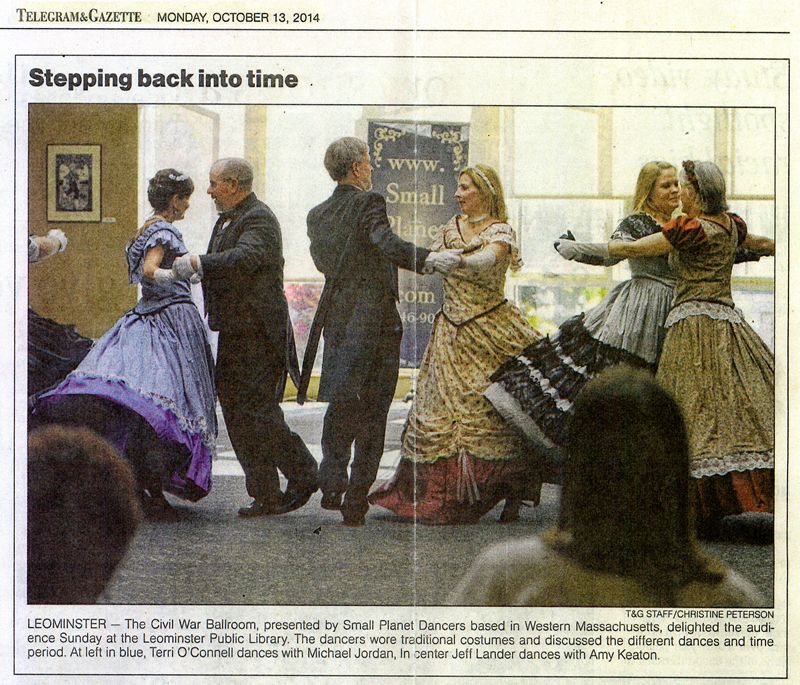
(154, 295)
(638, 226)
(702, 259)
(468, 294)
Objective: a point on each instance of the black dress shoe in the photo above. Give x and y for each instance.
(354, 509)
(158, 509)
(331, 500)
(510, 511)
(256, 508)
(353, 521)
(294, 500)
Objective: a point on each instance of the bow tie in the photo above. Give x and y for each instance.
(228, 214)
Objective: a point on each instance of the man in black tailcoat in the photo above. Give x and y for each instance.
(353, 244)
(242, 276)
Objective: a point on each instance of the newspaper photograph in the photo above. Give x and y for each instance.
(387, 343)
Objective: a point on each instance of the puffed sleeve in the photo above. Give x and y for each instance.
(624, 231)
(684, 233)
(741, 226)
(503, 233)
(159, 233)
(635, 226)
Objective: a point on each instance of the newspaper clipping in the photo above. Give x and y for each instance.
(477, 318)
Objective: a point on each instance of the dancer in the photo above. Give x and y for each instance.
(719, 370)
(242, 275)
(535, 390)
(459, 458)
(147, 384)
(353, 244)
(624, 536)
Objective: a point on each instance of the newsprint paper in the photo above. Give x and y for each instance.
(566, 100)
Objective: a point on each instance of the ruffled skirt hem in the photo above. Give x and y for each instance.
(457, 489)
(191, 480)
(543, 381)
(737, 492)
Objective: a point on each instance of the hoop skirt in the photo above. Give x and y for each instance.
(156, 364)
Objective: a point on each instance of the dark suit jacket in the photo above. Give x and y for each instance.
(243, 281)
(365, 296)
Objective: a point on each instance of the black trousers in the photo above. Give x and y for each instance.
(248, 376)
(360, 423)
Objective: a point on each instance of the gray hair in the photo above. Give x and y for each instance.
(342, 154)
(235, 169)
(709, 182)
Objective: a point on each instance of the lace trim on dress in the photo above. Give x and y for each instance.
(713, 310)
(742, 461)
(634, 227)
(193, 426)
(161, 233)
(511, 410)
(547, 388)
(565, 358)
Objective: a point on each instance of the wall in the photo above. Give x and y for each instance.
(87, 285)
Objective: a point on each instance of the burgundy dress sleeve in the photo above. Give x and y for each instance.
(741, 226)
(684, 233)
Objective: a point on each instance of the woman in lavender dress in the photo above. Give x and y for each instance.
(147, 384)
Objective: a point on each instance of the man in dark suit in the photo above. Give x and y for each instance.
(242, 276)
(354, 246)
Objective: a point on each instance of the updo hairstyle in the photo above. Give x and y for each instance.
(165, 184)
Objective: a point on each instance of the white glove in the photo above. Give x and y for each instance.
(198, 275)
(589, 253)
(478, 261)
(163, 277)
(566, 248)
(182, 267)
(444, 262)
(33, 249)
(58, 235)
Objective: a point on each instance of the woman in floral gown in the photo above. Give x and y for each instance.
(459, 458)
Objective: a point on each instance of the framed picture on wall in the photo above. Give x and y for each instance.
(73, 183)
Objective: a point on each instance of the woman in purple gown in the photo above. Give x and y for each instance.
(147, 384)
